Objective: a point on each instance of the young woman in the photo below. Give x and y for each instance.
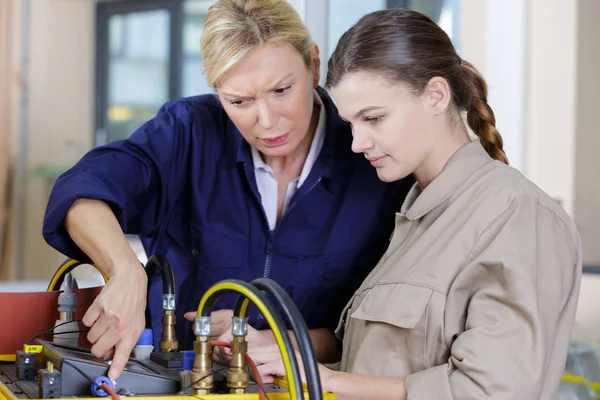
(476, 295)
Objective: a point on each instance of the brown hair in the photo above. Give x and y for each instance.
(408, 46)
(234, 28)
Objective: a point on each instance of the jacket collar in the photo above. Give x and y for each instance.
(468, 159)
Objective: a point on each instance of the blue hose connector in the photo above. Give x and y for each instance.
(145, 338)
(188, 360)
(97, 386)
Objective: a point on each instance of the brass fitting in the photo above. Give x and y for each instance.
(201, 375)
(168, 340)
(238, 378)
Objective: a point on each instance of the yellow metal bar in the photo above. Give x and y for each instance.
(6, 394)
(8, 357)
(254, 396)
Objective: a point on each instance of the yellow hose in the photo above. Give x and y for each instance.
(250, 296)
(66, 267)
(244, 308)
(581, 381)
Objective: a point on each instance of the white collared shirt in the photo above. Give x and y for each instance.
(265, 178)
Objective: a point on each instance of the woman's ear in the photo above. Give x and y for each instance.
(316, 64)
(438, 94)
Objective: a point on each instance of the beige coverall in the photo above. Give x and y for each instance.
(476, 296)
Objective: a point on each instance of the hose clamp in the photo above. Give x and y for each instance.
(169, 302)
(202, 326)
(239, 326)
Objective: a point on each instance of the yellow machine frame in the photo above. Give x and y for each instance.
(6, 394)
(70, 264)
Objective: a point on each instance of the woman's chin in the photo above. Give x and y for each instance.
(386, 175)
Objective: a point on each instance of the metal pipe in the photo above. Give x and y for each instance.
(23, 140)
(6, 176)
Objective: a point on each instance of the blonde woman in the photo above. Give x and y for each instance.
(256, 179)
(476, 296)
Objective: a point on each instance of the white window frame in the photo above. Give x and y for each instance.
(314, 14)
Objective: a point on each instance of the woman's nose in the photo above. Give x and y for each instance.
(361, 142)
(267, 116)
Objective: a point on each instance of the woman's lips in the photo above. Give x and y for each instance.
(276, 141)
(377, 161)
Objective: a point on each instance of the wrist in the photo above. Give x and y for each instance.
(326, 376)
(123, 265)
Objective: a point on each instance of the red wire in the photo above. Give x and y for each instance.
(220, 343)
(251, 365)
(110, 391)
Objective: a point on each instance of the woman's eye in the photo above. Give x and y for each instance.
(237, 102)
(373, 120)
(282, 90)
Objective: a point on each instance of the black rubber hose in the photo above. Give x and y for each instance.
(287, 342)
(167, 277)
(300, 329)
(166, 272)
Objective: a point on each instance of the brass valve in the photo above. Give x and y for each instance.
(238, 378)
(168, 340)
(201, 375)
(237, 374)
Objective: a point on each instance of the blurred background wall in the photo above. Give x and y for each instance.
(78, 73)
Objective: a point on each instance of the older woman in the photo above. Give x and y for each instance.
(257, 180)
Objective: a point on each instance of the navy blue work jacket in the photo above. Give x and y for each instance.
(184, 182)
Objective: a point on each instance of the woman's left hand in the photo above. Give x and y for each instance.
(269, 361)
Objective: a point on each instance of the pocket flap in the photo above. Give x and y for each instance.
(400, 305)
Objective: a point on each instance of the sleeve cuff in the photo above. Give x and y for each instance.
(431, 383)
(333, 366)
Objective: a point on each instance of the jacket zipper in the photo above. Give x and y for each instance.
(271, 238)
(298, 200)
(268, 250)
(272, 233)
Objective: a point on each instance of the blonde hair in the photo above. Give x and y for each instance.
(234, 28)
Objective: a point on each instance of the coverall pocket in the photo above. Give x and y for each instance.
(394, 316)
